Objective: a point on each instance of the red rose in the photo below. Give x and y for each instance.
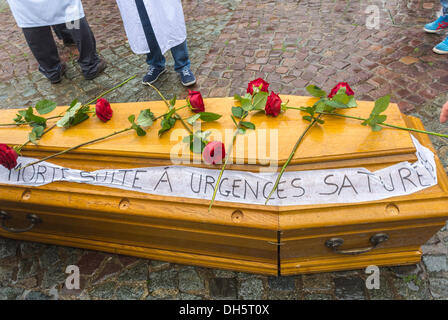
(214, 152)
(196, 102)
(273, 105)
(340, 85)
(103, 110)
(8, 157)
(257, 83)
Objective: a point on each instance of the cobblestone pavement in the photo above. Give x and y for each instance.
(291, 43)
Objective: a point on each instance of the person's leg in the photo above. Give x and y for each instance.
(63, 34)
(42, 45)
(89, 61)
(155, 59)
(180, 56)
(444, 4)
(182, 64)
(441, 22)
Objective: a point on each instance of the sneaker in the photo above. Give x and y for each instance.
(438, 25)
(152, 75)
(101, 66)
(61, 73)
(442, 47)
(187, 77)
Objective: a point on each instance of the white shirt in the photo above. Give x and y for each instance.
(38, 13)
(167, 21)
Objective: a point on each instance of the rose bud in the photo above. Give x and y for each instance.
(257, 83)
(195, 101)
(8, 157)
(214, 152)
(103, 110)
(340, 85)
(273, 105)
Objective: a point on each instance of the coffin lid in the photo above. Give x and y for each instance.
(340, 142)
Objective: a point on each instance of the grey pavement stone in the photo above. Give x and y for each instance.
(282, 283)
(7, 248)
(104, 290)
(223, 288)
(435, 263)
(317, 296)
(163, 283)
(251, 289)
(190, 281)
(439, 288)
(10, 293)
(130, 292)
(136, 273)
(349, 288)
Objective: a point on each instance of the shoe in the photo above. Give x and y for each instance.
(442, 47)
(61, 74)
(438, 25)
(187, 77)
(101, 66)
(152, 75)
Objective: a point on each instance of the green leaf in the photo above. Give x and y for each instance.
(67, 119)
(341, 97)
(237, 97)
(246, 104)
(140, 132)
(173, 101)
(260, 100)
(193, 118)
(74, 103)
(167, 124)
(381, 105)
(237, 112)
(197, 145)
(336, 104)
(131, 118)
(19, 119)
(36, 134)
(145, 118)
(45, 106)
(248, 125)
(307, 118)
(209, 116)
(241, 131)
(315, 91)
(352, 102)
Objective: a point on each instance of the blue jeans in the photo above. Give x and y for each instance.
(445, 6)
(155, 58)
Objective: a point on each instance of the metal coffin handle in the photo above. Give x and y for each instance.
(34, 219)
(375, 240)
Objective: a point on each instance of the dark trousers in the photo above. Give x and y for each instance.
(155, 58)
(42, 45)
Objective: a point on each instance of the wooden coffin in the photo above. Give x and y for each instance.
(256, 238)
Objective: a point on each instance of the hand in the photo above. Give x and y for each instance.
(444, 113)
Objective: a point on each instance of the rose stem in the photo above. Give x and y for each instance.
(168, 105)
(21, 124)
(91, 101)
(88, 142)
(291, 156)
(75, 147)
(226, 160)
(381, 124)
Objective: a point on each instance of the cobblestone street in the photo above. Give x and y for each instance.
(291, 44)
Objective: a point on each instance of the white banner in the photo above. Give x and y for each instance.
(346, 185)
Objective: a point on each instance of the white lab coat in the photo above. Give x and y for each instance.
(38, 13)
(167, 21)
